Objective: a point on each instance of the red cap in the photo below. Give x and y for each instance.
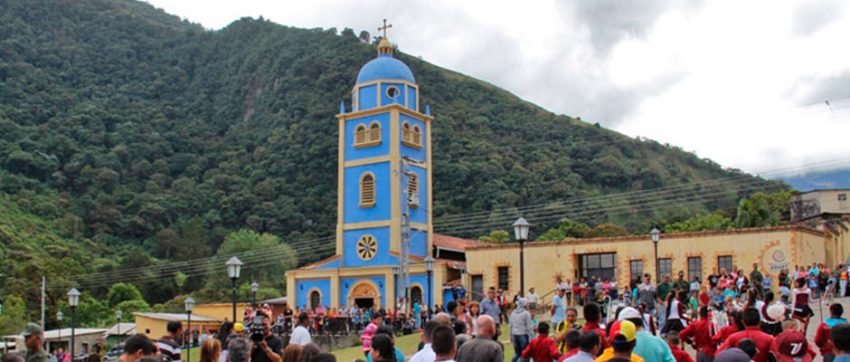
(792, 347)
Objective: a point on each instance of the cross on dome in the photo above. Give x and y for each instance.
(385, 27)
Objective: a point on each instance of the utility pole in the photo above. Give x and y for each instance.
(405, 234)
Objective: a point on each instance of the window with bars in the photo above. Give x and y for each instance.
(694, 268)
(635, 269)
(665, 267)
(375, 133)
(725, 262)
(360, 136)
(367, 190)
(406, 133)
(413, 190)
(315, 299)
(504, 275)
(417, 136)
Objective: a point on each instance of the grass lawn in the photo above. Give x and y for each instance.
(408, 344)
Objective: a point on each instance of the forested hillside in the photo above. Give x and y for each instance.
(144, 137)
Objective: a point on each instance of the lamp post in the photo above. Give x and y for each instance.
(59, 317)
(254, 288)
(118, 315)
(521, 234)
(73, 301)
(656, 236)
(189, 303)
(429, 269)
(234, 268)
(396, 270)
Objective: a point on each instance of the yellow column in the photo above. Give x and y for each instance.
(390, 287)
(335, 290)
(290, 289)
(437, 282)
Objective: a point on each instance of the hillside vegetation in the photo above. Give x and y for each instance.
(129, 137)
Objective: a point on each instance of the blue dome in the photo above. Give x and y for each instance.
(385, 67)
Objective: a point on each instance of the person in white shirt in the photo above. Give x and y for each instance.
(532, 299)
(443, 344)
(426, 354)
(301, 335)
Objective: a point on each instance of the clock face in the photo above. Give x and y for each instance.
(367, 247)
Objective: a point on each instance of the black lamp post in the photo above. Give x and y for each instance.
(73, 301)
(521, 234)
(234, 267)
(429, 269)
(656, 236)
(396, 271)
(59, 317)
(189, 303)
(254, 288)
(118, 315)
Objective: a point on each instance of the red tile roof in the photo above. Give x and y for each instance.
(454, 243)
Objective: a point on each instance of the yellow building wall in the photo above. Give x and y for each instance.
(156, 328)
(772, 249)
(222, 311)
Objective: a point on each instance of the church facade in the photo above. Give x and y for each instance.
(384, 179)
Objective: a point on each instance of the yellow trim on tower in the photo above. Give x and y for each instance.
(384, 109)
(340, 197)
(367, 161)
(395, 190)
(427, 143)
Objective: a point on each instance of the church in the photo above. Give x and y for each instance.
(384, 198)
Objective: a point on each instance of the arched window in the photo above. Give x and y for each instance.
(413, 190)
(417, 136)
(406, 135)
(367, 190)
(375, 133)
(416, 294)
(360, 135)
(315, 299)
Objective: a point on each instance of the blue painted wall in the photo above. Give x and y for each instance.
(399, 99)
(366, 97)
(411, 98)
(381, 211)
(329, 265)
(345, 284)
(418, 242)
(349, 245)
(383, 149)
(304, 286)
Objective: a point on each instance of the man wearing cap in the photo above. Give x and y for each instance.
(650, 347)
(752, 330)
(623, 339)
(34, 340)
(791, 346)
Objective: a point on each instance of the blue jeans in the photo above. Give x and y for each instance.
(520, 342)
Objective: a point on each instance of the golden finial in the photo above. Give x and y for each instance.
(384, 45)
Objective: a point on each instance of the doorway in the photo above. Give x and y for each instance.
(366, 303)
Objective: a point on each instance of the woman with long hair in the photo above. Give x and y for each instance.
(460, 313)
(308, 352)
(210, 350)
(736, 324)
(474, 313)
(800, 296)
(772, 313)
(383, 349)
(292, 353)
(675, 320)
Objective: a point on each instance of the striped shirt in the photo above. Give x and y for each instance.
(168, 347)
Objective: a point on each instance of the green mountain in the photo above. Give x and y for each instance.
(146, 131)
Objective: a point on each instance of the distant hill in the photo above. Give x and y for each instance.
(149, 132)
(833, 179)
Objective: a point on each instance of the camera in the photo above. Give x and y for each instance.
(257, 330)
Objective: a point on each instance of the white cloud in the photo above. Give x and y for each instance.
(742, 83)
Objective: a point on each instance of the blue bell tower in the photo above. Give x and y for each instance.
(384, 187)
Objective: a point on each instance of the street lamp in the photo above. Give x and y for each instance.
(656, 236)
(73, 301)
(396, 271)
(118, 315)
(429, 269)
(189, 303)
(521, 234)
(254, 288)
(59, 317)
(234, 267)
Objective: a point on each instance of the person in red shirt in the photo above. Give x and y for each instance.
(824, 329)
(752, 330)
(541, 348)
(699, 334)
(735, 325)
(679, 354)
(592, 316)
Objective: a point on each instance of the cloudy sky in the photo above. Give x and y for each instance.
(745, 83)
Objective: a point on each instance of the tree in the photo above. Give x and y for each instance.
(129, 307)
(14, 318)
(567, 229)
(122, 292)
(713, 221)
(496, 236)
(763, 209)
(605, 230)
(269, 259)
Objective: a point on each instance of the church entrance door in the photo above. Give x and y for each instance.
(364, 295)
